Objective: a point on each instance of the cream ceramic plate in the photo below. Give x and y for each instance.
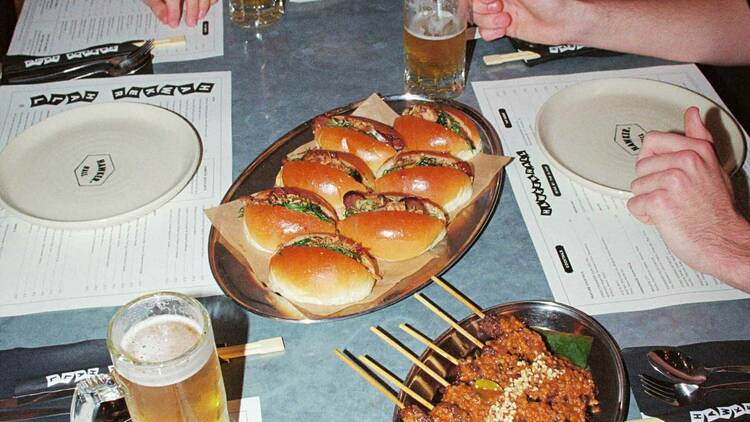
(98, 165)
(593, 131)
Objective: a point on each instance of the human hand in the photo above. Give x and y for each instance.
(539, 21)
(681, 188)
(170, 11)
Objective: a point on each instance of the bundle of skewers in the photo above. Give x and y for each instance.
(506, 374)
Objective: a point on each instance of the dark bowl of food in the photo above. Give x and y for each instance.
(541, 361)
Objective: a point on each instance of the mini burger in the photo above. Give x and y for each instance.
(435, 127)
(276, 215)
(329, 174)
(369, 140)
(393, 226)
(439, 177)
(322, 269)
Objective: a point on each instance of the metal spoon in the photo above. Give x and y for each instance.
(677, 365)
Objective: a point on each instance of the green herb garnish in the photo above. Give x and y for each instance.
(317, 244)
(442, 119)
(312, 209)
(339, 123)
(455, 127)
(572, 347)
(428, 162)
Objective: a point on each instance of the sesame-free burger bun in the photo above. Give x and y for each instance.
(441, 128)
(322, 269)
(369, 140)
(448, 182)
(329, 174)
(393, 227)
(274, 216)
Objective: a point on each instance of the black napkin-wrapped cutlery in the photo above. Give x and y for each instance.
(102, 60)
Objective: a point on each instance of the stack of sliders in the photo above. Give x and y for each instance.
(328, 219)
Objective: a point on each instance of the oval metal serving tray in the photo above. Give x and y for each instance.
(605, 359)
(239, 283)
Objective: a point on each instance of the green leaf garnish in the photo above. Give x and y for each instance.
(312, 209)
(316, 244)
(572, 347)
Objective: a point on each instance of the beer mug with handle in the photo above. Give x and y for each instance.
(435, 47)
(165, 364)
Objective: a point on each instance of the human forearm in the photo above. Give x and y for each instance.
(716, 31)
(731, 255)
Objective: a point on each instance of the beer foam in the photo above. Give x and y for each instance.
(429, 26)
(160, 339)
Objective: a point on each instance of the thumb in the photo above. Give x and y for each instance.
(694, 127)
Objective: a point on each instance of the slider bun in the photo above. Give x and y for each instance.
(445, 186)
(371, 151)
(328, 182)
(268, 226)
(394, 235)
(318, 275)
(421, 134)
(468, 125)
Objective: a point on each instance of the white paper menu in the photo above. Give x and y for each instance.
(595, 255)
(57, 26)
(246, 409)
(44, 269)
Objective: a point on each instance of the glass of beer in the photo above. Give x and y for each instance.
(165, 362)
(435, 47)
(256, 13)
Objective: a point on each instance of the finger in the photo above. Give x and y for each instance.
(191, 12)
(638, 207)
(174, 12)
(158, 8)
(694, 127)
(671, 180)
(492, 7)
(492, 22)
(687, 160)
(203, 8)
(491, 34)
(214, 2)
(655, 143)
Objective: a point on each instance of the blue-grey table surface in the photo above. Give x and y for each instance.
(323, 55)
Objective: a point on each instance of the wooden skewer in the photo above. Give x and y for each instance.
(459, 297)
(424, 340)
(493, 59)
(369, 378)
(409, 355)
(261, 347)
(176, 41)
(384, 373)
(449, 320)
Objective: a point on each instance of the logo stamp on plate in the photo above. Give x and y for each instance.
(94, 170)
(630, 137)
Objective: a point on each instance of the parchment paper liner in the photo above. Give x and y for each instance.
(226, 218)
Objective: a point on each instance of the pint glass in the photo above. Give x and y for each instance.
(165, 361)
(256, 13)
(435, 47)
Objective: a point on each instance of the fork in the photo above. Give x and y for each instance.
(681, 393)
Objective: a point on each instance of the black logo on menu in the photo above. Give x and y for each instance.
(94, 170)
(738, 411)
(536, 185)
(551, 180)
(205, 27)
(162, 90)
(629, 137)
(70, 98)
(505, 118)
(564, 259)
